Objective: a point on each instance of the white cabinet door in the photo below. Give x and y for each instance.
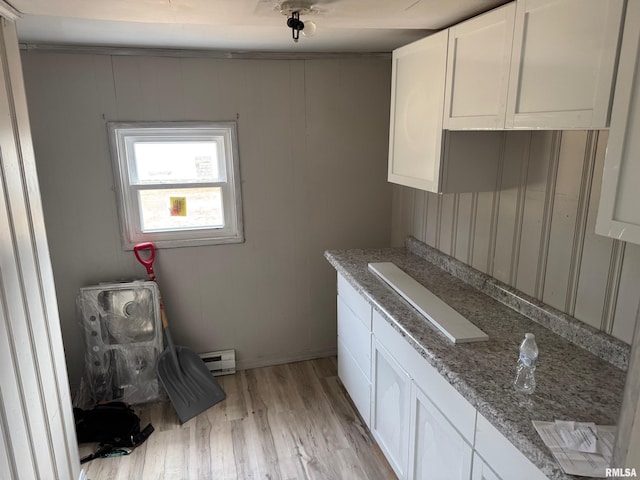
(563, 63)
(436, 450)
(356, 337)
(390, 409)
(618, 214)
(479, 57)
(481, 470)
(417, 100)
(354, 382)
(501, 455)
(354, 346)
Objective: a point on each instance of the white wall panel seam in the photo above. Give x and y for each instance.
(582, 213)
(545, 234)
(8, 463)
(472, 227)
(438, 219)
(426, 213)
(520, 201)
(495, 209)
(454, 224)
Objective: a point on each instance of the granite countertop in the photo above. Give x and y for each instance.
(572, 383)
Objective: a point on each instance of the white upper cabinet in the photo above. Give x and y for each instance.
(618, 213)
(479, 59)
(563, 63)
(421, 154)
(417, 98)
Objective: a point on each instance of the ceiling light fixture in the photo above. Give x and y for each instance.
(293, 9)
(296, 25)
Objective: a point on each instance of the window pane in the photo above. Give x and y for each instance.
(175, 162)
(181, 209)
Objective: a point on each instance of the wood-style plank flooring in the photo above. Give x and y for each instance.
(286, 422)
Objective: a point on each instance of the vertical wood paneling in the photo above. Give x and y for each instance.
(402, 203)
(447, 223)
(537, 231)
(433, 220)
(562, 217)
(7, 455)
(582, 214)
(534, 209)
(591, 283)
(508, 224)
(463, 229)
(484, 231)
(547, 216)
(419, 213)
(37, 421)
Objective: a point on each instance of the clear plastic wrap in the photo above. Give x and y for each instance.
(123, 339)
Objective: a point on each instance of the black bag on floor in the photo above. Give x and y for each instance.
(112, 424)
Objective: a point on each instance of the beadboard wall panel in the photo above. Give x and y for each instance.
(536, 231)
(313, 138)
(464, 226)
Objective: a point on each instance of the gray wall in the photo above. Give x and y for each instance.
(313, 140)
(536, 231)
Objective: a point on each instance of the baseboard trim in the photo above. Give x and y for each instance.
(247, 363)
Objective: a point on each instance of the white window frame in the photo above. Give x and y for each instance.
(122, 136)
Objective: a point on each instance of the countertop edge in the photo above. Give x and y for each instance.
(541, 458)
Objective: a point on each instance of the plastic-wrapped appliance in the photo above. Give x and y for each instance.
(123, 339)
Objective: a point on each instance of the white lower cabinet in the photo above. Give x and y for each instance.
(424, 427)
(390, 409)
(481, 470)
(504, 459)
(354, 346)
(436, 450)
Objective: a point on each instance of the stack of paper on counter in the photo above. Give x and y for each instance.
(581, 448)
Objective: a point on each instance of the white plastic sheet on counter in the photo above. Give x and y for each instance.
(571, 456)
(123, 339)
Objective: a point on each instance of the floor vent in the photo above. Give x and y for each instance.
(222, 362)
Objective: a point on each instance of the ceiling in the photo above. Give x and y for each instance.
(238, 25)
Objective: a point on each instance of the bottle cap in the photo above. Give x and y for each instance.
(529, 336)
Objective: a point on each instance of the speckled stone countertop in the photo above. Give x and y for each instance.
(572, 383)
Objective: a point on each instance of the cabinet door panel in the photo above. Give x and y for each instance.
(453, 405)
(618, 214)
(563, 63)
(505, 459)
(354, 381)
(355, 336)
(437, 450)
(390, 409)
(417, 101)
(479, 58)
(481, 470)
(355, 301)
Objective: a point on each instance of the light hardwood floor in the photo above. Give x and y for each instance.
(286, 422)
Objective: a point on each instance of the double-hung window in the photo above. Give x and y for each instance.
(178, 183)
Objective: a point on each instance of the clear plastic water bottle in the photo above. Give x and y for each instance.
(525, 381)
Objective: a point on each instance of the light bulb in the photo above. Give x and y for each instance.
(310, 29)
